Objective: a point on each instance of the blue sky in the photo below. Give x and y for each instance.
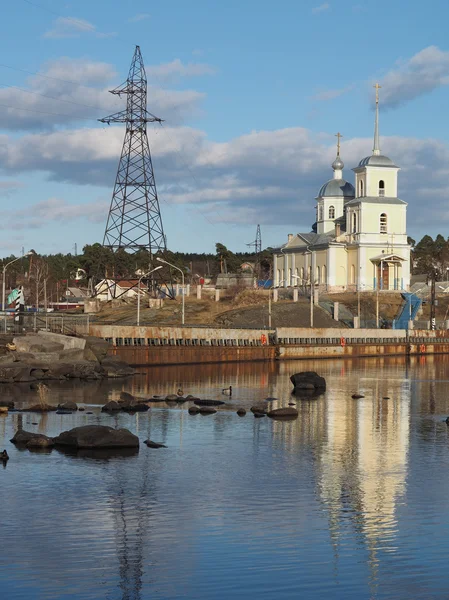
(252, 94)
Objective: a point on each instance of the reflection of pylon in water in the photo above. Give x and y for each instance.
(134, 222)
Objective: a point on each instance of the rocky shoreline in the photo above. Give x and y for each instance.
(50, 356)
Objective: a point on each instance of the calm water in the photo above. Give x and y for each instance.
(349, 501)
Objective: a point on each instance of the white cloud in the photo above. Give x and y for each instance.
(273, 174)
(176, 68)
(424, 72)
(139, 17)
(57, 210)
(326, 95)
(321, 8)
(70, 27)
(72, 89)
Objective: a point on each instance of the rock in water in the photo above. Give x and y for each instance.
(259, 415)
(21, 438)
(241, 412)
(308, 380)
(126, 396)
(194, 410)
(68, 406)
(97, 436)
(283, 413)
(357, 396)
(111, 406)
(171, 398)
(151, 444)
(207, 410)
(199, 402)
(261, 410)
(40, 442)
(64, 412)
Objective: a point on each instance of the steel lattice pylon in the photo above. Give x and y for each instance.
(134, 222)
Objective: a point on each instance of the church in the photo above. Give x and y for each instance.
(359, 240)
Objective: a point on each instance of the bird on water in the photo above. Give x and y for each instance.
(4, 455)
(227, 390)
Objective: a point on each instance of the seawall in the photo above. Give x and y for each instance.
(190, 345)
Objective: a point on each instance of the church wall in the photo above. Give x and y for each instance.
(341, 270)
(388, 176)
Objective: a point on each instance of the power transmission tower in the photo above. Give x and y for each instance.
(134, 222)
(257, 249)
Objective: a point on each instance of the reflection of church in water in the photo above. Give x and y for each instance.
(359, 240)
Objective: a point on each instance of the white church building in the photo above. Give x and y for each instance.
(359, 240)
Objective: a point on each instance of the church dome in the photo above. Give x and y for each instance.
(337, 187)
(338, 163)
(377, 160)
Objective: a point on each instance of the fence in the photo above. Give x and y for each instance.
(63, 323)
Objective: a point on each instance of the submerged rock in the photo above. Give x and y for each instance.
(60, 411)
(357, 396)
(41, 408)
(241, 412)
(200, 402)
(151, 444)
(259, 415)
(261, 410)
(207, 410)
(282, 413)
(97, 436)
(194, 410)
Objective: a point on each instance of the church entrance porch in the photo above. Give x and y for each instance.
(387, 272)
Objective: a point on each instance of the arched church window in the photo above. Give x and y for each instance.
(381, 187)
(361, 188)
(318, 275)
(302, 274)
(354, 222)
(324, 275)
(331, 212)
(383, 223)
(320, 213)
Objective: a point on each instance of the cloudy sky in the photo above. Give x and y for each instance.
(252, 94)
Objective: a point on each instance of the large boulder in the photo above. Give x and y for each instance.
(72, 354)
(283, 413)
(97, 436)
(22, 437)
(258, 409)
(116, 368)
(308, 380)
(98, 347)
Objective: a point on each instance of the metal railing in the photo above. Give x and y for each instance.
(61, 323)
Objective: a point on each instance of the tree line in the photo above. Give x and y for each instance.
(431, 256)
(48, 276)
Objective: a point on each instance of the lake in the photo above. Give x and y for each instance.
(351, 500)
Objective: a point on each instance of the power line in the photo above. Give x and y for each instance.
(47, 113)
(15, 87)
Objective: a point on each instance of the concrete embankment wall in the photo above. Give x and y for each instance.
(189, 345)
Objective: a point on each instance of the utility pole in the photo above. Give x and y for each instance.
(257, 250)
(432, 302)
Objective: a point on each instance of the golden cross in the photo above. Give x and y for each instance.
(377, 86)
(338, 136)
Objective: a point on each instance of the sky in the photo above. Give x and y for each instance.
(252, 94)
